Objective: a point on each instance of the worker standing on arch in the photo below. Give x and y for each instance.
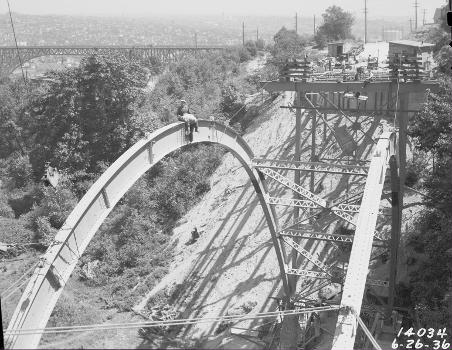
(184, 115)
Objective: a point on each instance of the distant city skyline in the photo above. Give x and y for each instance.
(377, 8)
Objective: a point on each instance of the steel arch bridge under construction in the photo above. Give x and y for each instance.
(56, 266)
(11, 57)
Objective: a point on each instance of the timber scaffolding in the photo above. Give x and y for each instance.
(347, 111)
(400, 66)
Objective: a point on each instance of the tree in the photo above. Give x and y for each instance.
(14, 98)
(429, 281)
(251, 47)
(85, 119)
(337, 25)
(288, 44)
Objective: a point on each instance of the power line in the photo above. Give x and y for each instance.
(177, 322)
(314, 25)
(296, 22)
(13, 288)
(15, 41)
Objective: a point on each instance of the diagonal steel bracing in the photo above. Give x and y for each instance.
(307, 194)
(294, 187)
(305, 253)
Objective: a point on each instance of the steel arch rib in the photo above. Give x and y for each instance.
(355, 280)
(56, 266)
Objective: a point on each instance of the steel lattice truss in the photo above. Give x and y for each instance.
(9, 59)
(331, 168)
(291, 202)
(305, 253)
(316, 235)
(308, 194)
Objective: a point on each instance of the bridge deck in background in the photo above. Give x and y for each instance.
(9, 55)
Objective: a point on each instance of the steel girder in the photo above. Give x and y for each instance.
(357, 270)
(53, 271)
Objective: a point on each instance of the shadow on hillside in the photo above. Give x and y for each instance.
(222, 252)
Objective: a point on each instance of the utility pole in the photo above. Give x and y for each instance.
(314, 25)
(243, 33)
(416, 5)
(411, 25)
(383, 33)
(296, 22)
(423, 19)
(365, 21)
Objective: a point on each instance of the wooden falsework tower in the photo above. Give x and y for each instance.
(343, 117)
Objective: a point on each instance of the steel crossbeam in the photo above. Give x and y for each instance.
(310, 166)
(316, 235)
(352, 208)
(305, 253)
(304, 203)
(312, 234)
(291, 202)
(306, 273)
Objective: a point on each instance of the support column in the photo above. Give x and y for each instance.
(313, 148)
(297, 178)
(397, 198)
(395, 232)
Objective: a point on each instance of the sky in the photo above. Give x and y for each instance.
(377, 8)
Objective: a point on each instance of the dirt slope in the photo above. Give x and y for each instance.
(233, 263)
